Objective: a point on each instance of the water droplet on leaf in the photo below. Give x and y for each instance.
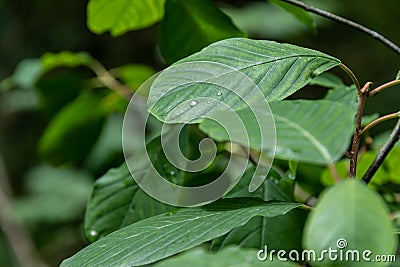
(193, 103)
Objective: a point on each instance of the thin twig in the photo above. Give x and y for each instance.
(394, 137)
(347, 22)
(380, 120)
(362, 96)
(383, 87)
(108, 80)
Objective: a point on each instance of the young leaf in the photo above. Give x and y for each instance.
(232, 256)
(117, 201)
(120, 16)
(164, 235)
(315, 132)
(302, 15)
(279, 70)
(350, 216)
(69, 59)
(195, 24)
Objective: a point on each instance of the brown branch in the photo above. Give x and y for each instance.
(362, 96)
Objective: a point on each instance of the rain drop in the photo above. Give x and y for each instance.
(219, 94)
(208, 102)
(172, 173)
(193, 103)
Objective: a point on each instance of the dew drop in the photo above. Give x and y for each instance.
(93, 233)
(172, 173)
(193, 103)
(219, 94)
(208, 102)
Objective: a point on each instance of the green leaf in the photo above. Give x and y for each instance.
(302, 15)
(278, 69)
(71, 134)
(164, 235)
(232, 256)
(315, 132)
(68, 59)
(194, 24)
(345, 95)
(398, 76)
(328, 80)
(352, 212)
(281, 232)
(121, 16)
(117, 201)
(393, 162)
(48, 189)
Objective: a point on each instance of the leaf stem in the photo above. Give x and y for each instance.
(109, 80)
(383, 87)
(379, 120)
(362, 96)
(394, 137)
(347, 22)
(351, 75)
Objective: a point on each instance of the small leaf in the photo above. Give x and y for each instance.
(339, 221)
(315, 132)
(195, 24)
(68, 59)
(398, 76)
(164, 235)
(72, 132)
(278, 69)
(121, 16)
(231, 256)
(116, 202)
(302, 15)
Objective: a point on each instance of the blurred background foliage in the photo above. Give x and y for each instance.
(48, 188)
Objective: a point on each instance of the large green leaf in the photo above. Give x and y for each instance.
(307, 131)
(350, 216)
(195, 24)
(120, 16)
(232, 256)
(117, 201)
(164, 235)
(281, 232)
(279, 70)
